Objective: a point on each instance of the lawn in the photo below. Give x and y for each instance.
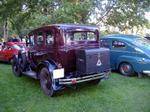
(117, 94)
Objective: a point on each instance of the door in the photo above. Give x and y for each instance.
(118, 48)
(43, 47)
(49, 44)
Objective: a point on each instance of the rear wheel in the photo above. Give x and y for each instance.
(46, 82)
(15, 67)
(126, 69)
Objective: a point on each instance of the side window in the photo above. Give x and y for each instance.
(31, 40)
(40, 38)
(91, 36)
(118, 44)
(49, 38)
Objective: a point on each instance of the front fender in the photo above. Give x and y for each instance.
(15, 59)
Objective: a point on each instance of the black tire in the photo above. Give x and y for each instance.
(46, 82)
(126, 69)
(95, 82)
(23, 61)
(15, 67)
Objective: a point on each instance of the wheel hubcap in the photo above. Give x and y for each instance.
(125, 69)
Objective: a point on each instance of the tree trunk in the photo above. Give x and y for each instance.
(5, 30)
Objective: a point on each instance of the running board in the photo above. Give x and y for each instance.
(31, 74)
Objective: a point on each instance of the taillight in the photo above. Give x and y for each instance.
(59, 65)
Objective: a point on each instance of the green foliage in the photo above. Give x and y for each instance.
(24, 15)
(72, 12)
(125, 14)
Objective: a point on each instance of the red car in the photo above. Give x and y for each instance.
(9, 49)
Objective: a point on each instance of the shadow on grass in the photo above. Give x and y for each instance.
(68, 90)
(5, 63)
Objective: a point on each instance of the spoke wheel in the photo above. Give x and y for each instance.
(126, 69)
(46, 82)
(15, 67)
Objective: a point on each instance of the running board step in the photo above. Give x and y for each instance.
(31, 74)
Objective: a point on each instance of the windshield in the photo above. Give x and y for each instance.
(16, 47)
(142, 42)
(80, 36)
(22, 46)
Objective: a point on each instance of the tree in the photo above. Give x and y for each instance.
(124, 14)
(26, 14)
(20, 16)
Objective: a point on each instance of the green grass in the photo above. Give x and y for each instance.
(118, 94)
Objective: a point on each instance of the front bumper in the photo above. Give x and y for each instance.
(71, 81)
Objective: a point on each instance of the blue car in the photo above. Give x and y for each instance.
(129, 53)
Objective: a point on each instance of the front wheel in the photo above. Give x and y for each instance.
(46, 82)
(15, 67)
(126, 69)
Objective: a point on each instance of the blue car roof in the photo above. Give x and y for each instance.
(121, 37)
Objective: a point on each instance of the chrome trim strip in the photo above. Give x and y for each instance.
(83, 79)
(79, 81)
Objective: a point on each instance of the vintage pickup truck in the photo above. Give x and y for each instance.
(61, 55)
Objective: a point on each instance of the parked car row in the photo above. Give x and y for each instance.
(62, 55)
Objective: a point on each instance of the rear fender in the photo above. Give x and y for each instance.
(49, 64)
(15, 58)
(126, 59)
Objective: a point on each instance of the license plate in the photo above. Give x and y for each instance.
(58, 73)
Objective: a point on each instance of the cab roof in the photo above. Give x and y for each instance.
(69, 27)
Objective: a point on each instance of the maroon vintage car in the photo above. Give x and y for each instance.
(61, 55)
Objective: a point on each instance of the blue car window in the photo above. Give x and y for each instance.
(118, 44)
